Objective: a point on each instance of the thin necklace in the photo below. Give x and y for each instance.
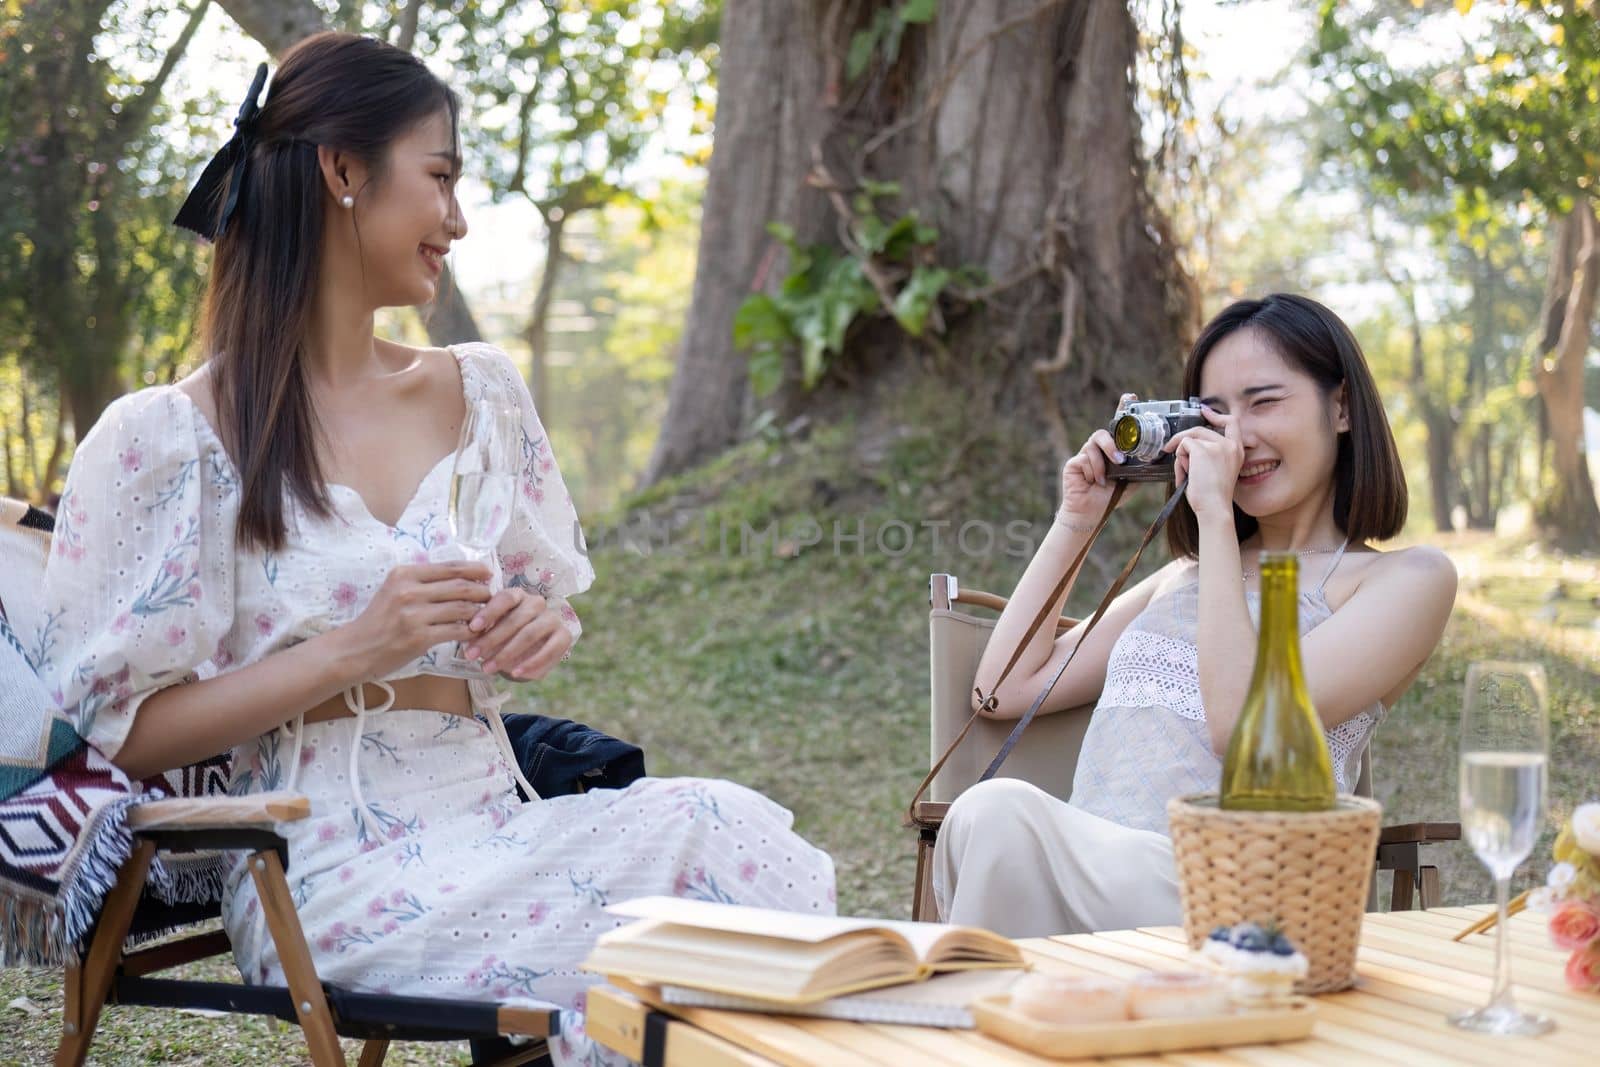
(1247, 575)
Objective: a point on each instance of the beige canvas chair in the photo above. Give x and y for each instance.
(1047, 754)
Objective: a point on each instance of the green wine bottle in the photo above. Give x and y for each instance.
(1277, 758)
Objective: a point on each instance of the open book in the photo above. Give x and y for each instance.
(783, 956)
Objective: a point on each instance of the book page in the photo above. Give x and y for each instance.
(762, 922)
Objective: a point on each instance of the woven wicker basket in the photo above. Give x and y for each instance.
(1308, 872)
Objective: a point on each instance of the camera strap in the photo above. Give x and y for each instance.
(987, 702)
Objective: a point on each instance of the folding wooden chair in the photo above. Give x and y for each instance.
(1047, 755)
(109, 971)
(111, 974)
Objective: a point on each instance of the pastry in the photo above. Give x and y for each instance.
(1065, 1000)
(1177, 995)
(1259, 964)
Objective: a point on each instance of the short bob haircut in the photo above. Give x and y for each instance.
(1369, 494)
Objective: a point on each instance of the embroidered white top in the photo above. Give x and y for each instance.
(147, 587)
(1147, 740)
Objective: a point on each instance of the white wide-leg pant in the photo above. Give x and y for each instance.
(1014, 859)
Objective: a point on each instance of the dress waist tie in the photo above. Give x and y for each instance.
(486, 701)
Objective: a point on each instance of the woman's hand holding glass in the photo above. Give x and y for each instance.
(519, 635)
(417, 607)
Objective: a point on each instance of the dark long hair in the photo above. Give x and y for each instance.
(356, 94)
(1369, 485)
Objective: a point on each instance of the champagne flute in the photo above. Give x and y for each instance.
(1504, 742)
(483, 489)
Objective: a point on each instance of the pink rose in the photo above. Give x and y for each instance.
(263, 624)
(176, 635)
(120, 623)
(516, 562)
(747, 870)
(131, 459)
(193, 590)
(680, 884)
(326, 832)
(325, 943)
(391, 926)
(1574, 925)
(173, 567)
(537, 912)
(375, 907)
(344, 597)
(398, 897)
(1583, 970)
(345, 874)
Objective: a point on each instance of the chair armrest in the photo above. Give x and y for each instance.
(929, 814)
(195, 813)
(1419, 833)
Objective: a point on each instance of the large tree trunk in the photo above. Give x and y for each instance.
(1011, 128)
(277, 25)
(1567, 511)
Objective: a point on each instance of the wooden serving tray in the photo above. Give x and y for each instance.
(998, 1019)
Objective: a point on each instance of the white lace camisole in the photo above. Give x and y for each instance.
(1147, 741)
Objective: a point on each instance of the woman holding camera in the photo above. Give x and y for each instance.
(1298, 456)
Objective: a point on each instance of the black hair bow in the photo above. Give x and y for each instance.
(225, 172)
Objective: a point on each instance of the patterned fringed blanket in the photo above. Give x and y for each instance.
(63, 807)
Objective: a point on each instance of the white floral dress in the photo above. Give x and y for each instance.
(420, 870)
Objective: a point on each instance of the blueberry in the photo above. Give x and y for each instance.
(1220, 934)
(1281, 946)
(1249, 937)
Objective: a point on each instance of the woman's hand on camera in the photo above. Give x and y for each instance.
(1086, 485)
(519, 635)
(1209, 458)
(417, 606)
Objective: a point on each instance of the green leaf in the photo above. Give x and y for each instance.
(760, 322)
(919, 11)
(782, 231)
(916, 300)
(766, 370)
(862, 44)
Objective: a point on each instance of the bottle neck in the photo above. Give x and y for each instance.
(1279, 637)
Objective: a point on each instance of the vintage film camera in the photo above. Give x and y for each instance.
(1141, 429)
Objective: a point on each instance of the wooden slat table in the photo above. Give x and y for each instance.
(1411, 975)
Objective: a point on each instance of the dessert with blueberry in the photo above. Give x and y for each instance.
(1260, 964)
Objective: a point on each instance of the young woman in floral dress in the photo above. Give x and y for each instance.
(250, 560)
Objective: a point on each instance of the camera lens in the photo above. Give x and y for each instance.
(1140, 436)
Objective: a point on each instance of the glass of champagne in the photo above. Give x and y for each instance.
(1504, 745)
(483, 489)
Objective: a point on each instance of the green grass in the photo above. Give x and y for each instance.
(802, 672)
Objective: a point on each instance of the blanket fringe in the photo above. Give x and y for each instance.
(43, 931)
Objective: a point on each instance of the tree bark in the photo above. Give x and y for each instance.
(1013, 130)
(555, 223)
(277, 25)
(1567, 511)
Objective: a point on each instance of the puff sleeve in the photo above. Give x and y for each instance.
(139, 586)
(543, 550)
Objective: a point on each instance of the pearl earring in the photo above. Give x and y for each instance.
(347, 200)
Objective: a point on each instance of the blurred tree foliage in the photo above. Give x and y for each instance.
(572, 99)
(89, 177)
(1488, 137)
